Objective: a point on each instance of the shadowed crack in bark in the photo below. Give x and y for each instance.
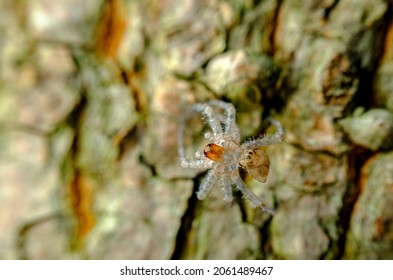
(359, 156)
(329, 9)
(356, 160)
(186, 222)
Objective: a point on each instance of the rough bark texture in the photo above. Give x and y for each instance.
(90, 97)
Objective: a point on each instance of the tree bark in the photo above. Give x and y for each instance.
(91, 99)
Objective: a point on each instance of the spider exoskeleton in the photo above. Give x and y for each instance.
(224, 154)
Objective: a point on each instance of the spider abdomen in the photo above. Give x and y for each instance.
(256, 162)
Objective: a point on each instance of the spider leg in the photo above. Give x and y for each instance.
(230, 118)
(189, 163)
(208, 112)
(266, 140)
(226, 189)
(211, 117)
(184, 162)
(250, 196)
(195, 164)
(207, 184)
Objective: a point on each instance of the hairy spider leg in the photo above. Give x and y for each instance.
(249, 195)
(266, 140)
(226, 187)
(212, 119)
(184, 162)
(210, 116)
(207, 184)
(230, 120)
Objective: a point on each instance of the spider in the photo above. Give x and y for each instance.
(224, 154)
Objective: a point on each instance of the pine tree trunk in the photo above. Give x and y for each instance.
(90, 104)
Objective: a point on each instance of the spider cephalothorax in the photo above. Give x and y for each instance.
(224, 154)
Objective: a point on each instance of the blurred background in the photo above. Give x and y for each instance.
(91, 94)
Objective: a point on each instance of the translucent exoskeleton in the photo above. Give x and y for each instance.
(224, 154)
